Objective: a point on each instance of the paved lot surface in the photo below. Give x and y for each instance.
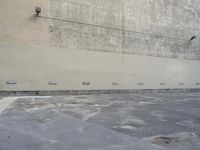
(101, 122)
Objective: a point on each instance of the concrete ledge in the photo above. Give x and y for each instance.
(91, 92)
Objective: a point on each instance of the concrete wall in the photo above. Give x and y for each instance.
(154, 27)
(18, 23)
(33, 67)
(135, 44)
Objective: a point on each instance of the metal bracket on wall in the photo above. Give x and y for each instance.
(85, 83)
(162, 84)
(115, 83)
(52, 83)
(12, 82)
(140, 83)
(181, 83)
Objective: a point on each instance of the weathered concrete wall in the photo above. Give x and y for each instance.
(96, 41)
(175, 21)
(18, 23)
(154, 27)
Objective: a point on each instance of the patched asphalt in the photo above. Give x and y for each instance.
(145, 121)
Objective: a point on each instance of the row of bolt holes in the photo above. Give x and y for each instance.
(13, 82)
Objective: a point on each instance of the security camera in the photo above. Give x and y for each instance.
(38, 10)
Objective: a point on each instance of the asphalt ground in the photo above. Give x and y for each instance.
(150, 121)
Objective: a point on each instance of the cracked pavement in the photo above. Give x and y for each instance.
(147, 121)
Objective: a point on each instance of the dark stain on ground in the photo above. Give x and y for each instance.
(162, 140)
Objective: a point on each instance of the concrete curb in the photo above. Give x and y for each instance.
(91, 92)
